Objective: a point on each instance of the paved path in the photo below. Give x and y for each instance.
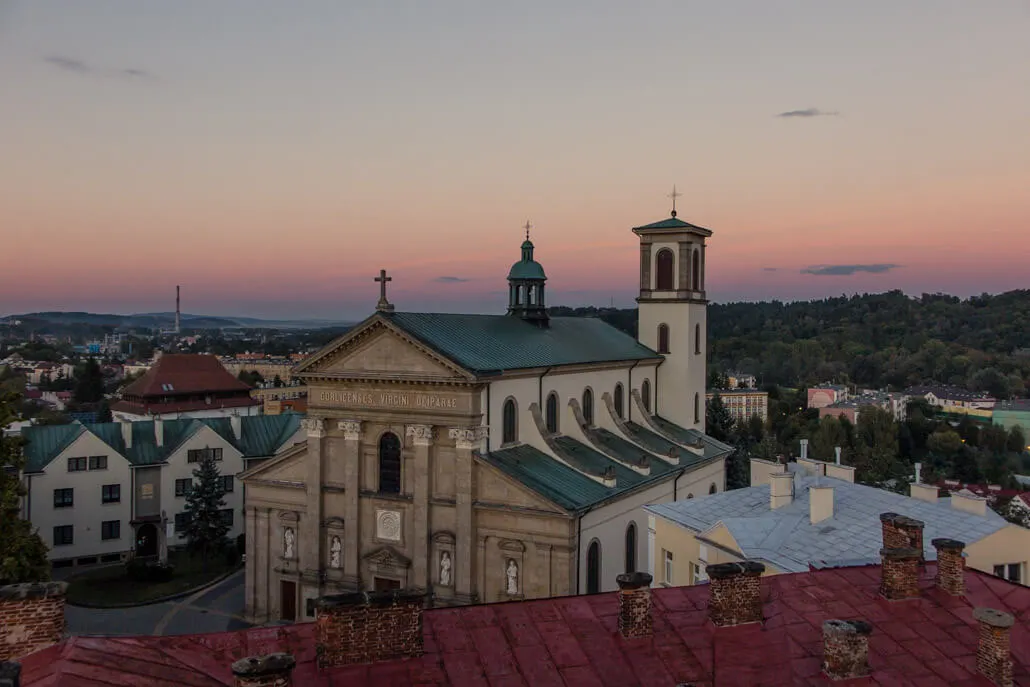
(216, 609)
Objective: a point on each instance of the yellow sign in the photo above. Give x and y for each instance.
(146, 491)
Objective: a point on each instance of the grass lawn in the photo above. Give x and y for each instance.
(111, 586)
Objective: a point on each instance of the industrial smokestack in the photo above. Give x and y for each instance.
(178, 322)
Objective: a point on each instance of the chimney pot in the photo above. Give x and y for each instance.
(273, 670)
(365, 627)
(902, 532)
(33, 617)
(951, 566)
(159, 431)
(781, 489)
(993, 655)
(236, 424)
(836, 451)
(635, 605)
(804, 449)
(127, 434)
(846, 648)
(10, 674)
(919, 472)
(899, 574)
(735, 593)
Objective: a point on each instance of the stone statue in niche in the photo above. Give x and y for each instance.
(445, 568)
(289, 540)
(511, 574)
(335, 553)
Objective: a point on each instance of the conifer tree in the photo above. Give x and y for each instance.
(23, 555)
(206, 529)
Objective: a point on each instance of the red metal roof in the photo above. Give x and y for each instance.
(158, 408)
(174, 374)
(573, 642)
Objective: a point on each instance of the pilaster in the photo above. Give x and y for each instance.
(311, 529)
(250, 567)
(263, 555)
(466, 441)
(352, 487)
(422, 437)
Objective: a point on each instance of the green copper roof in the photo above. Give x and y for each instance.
(527, 269)
(262, 435)
(713, 447)
(493, 343)
(557, 483)
(672, 223)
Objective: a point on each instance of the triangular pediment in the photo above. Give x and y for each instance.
(498, 489)
(387, 557)
(288, 467)
(378, 348)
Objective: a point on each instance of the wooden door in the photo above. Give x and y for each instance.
(287, 600)
(385, 584)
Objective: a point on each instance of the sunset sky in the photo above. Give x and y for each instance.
(272, 156)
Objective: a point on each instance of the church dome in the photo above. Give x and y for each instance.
(527, 269)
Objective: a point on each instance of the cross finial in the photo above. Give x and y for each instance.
(527, 228)
(383, 304)
(674, 195)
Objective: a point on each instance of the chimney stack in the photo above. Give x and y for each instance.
(236, 423)
(33, 617)
(902, 532)
(951, 566)
(993, 656)
(127, 434)
(899, 574)
(846, 649)
(365, 627)
(970, 503)
(735, 593)
(10, 674)
(159, 431)
(781, 489)
(635, 605)
(273, 670)
(836, 451)
(820, 503)
(804, 449)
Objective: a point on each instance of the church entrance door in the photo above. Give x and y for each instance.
(287, 600)
(385, 584)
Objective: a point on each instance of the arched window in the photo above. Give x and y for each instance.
(697, 270)
(697, 407)
(665, 264)
(588, 406)
(697, 339)
(594, 567)
(518, 295)
(390, 463)
(645, 394)
(713, 489)
(509, 431)
(663, 338)
(552, 412)
(631, 548)
(618, 400)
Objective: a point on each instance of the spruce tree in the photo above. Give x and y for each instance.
(206, 530)
(23, 555)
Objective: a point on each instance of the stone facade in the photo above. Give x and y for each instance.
(735, 593)
(31, 618)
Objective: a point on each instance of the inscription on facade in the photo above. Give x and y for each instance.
(379, 399)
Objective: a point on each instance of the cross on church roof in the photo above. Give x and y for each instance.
(383, 304)
(674, 195)
(527, 228)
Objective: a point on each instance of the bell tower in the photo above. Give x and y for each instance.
(526, 286)
(673, 314)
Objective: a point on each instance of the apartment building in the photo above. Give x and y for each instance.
(102, 492)
(743, 404)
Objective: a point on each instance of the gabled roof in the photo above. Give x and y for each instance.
(574, 640)
(178, 374)
(261, 436)
(494, 343)
(786, 538)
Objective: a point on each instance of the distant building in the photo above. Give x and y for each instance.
(1011, 414)
(742, 403)
(822, 396)
(269, 368)
(954, 399)
(181, 385)
(100, 492)
(741, 380)
(894, 403)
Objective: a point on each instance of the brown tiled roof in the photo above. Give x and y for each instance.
(175, 374)
(158, 408)
(574, 641)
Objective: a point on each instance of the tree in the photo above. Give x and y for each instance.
(717, 380)
(23, 555)
(90, 383)
(250, 377)
(718, 421)
(206, 528)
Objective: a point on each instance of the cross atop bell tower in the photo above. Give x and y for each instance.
(383, 305)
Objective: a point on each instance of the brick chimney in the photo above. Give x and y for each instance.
(902, 532)
(993, 656)
(365, 627)
(10, 674)
(634, 605)
(899, 574)
(273, 670)
(31, 617)
(846, 648)
(951, 566)
(735, 593)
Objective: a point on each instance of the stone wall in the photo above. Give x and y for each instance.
(31, 618)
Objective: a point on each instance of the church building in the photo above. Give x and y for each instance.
(482, 458)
